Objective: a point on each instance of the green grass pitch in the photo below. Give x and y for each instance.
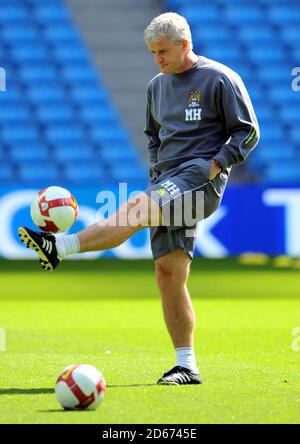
(108, 314)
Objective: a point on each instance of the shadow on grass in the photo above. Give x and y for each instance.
(46, 391)
(33, 391)
(111, 266)
(62, 410)
(131, 385)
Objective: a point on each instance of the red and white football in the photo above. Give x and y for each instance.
(54, 210)
(80, 387)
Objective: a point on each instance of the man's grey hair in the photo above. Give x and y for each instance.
(170, 25)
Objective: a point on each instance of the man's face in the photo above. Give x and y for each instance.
(169, 56)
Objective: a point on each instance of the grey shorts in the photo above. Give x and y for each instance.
(185, 196)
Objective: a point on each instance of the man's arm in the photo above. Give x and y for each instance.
(152, 131)
(238, 115)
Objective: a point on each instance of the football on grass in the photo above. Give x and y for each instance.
(54, 210)
(80, 387)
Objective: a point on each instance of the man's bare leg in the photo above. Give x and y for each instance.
(172, 271)
(132, 216)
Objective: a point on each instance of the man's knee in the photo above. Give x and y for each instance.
(173, 268)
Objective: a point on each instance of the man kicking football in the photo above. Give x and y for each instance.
(200, 122)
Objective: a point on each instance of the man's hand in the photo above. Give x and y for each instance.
(214, 170)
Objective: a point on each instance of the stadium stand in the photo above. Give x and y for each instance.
(260, 40)
(57, 121)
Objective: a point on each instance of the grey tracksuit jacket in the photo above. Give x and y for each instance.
(203, 112)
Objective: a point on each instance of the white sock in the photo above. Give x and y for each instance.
(67, 245)
(185, 357)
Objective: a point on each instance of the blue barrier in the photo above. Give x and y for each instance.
(250, 219)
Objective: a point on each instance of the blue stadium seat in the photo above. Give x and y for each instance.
(36, 73)
(51, 14)
(177, 4)
(269, 3)
(118, 153)
(223, 55)
(295, 132)
(265, 54)
(196, 15)
(67, 53)
(20, 34)
(254, 36)
(46, 93)
(273, 74)
(64, 134)
(208, 33)
(252, 14)
(28, 152)
(284, 94)
(86, 94)
(3, 152)
(290, 34)
(59, 112)
(128, 172)
(284, 14)
(11, 97)
(29, 53)
(13, 14)
(39, 172)
(292, 49)
(14, 113)
(264, 112)
(80, 74)
(93, 114)
(16, 133)
(270, 132)
(274, 152)
(34, 3)
(296, 54)
(290, 113)
(243, 3)
(73, 152)
(282, 173)
(108, 135)
(61, 34)
(85, 172)
(7, 172)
